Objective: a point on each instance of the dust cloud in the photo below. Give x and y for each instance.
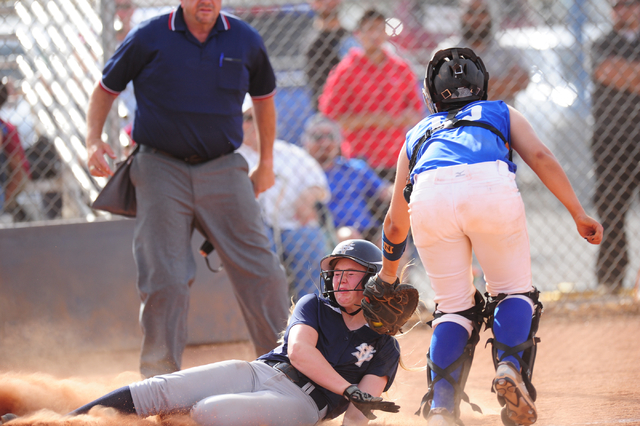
(42, 399)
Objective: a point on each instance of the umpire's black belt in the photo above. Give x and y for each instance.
(192, 159)
(301, 380)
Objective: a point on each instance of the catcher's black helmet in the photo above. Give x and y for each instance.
(454, 77)
(360, 251)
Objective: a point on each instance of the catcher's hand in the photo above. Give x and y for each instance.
(366, 403)
(387, 307)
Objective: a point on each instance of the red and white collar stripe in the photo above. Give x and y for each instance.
(225, 20)
(172, 20)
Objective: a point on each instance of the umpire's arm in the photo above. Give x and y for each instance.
(100, 103)
(264, 113)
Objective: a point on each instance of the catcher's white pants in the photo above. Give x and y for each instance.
(459, 208)
(228, 393)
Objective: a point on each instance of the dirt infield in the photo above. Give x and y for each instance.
(586, 371)
(586, 374)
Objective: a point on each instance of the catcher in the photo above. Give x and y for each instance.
(329, 363)
(455, 188)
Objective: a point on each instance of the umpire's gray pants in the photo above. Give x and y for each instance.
(216, 197)
(228, 393)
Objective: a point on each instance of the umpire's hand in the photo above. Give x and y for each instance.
(366, 403)
(262, 178)
(96, 150)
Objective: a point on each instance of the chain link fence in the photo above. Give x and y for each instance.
(538, 53)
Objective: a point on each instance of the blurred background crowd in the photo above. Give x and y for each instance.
(349, 78)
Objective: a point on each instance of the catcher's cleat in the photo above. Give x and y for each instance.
(513, 395)
(440, 417)
(7, 418)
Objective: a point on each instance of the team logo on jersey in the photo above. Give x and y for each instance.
(345, 248)
(365, 353)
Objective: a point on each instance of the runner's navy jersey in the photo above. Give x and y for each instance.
(462, 145)
(352, 353)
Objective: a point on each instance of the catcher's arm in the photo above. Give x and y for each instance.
(396, 222)
(542, 161)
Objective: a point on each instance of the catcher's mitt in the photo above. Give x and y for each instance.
(387, 307)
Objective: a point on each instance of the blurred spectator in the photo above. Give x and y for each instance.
(374, 96)
(122, 23)
(127, 101)
(329, 43)
(17, 110)
(354, 185)
(615, 146)
(289, 207)
(43, 161)
(507, 66)
(14, 167)
(46, 165)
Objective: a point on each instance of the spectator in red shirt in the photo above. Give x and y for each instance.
(374, 96)
(14, 167)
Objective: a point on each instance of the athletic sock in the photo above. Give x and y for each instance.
(512, 324)
(120, 399)
(447, 344)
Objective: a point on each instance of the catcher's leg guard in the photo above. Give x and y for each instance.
(459, 368)
(511, 326)
(512, 384)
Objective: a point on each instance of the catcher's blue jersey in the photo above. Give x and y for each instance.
(352, 353)
(462, 145)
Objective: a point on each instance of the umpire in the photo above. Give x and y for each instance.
(191, 69)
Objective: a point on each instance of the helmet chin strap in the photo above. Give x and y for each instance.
(354, 313)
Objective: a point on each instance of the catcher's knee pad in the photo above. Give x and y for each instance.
(528, 347)
(476, 316)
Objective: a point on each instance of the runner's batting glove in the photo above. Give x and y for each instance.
(366, 403)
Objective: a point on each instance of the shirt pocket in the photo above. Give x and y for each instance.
(233, 74)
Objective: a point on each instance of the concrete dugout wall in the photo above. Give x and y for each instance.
(73, 285)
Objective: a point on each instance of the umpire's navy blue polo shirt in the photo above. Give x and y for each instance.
(189, 94)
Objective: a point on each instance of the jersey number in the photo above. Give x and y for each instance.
(476, 113)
